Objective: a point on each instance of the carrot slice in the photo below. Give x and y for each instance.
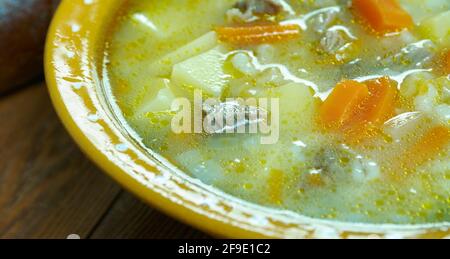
(429, 146)
(376, 109)
(380, 105)
(258, 34)
(343, 103)
(383, 15)
(358, 109)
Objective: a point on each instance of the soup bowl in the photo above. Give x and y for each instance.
(78, 85)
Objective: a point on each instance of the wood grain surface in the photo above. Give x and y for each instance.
(49, 189)
(131, 218)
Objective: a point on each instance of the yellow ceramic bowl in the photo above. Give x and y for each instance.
(74, 72)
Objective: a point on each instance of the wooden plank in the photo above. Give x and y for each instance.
(48, 189)
(131, 218)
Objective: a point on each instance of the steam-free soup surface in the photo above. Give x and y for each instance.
(364, 99)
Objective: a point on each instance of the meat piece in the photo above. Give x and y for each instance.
(414, 55)
(259, 7)
(338, 41)
(246, 11)
(322, 21)
(231, 117)
(331, 165)
(333, 41)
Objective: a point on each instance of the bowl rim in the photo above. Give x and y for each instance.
(73, 78)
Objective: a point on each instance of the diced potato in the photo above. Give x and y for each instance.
(443, 113)
(297, 106)
(296, 98)
(173, 20)
(134, 98)
(437, 28)
(420, 9)
(204, 72)
(428, 95)
(163, 66)
(157, 98)
(415, 84)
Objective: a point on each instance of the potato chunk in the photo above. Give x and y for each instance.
(158, 98)
(437, 28)
(163, 66)
(428, 95)
(204, 72)
(162, 102)
(297, 106)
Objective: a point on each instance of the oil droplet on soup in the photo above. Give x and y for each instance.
(363, 100)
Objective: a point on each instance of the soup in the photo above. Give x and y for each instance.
(357, 100)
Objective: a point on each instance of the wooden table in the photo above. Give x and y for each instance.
(49, 189)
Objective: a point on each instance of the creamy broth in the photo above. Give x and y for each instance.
(392, 171)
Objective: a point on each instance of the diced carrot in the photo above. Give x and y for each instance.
(380, 105)
(447, 62)
(258, 34)
(343, 103)
(428, 147)
(383, 15)
(358, 109)
(376, 109)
